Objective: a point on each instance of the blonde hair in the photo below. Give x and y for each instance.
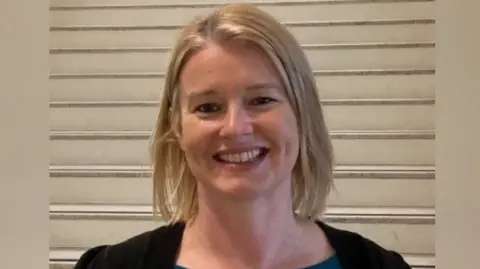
(175, 193)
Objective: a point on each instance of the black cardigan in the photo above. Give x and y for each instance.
(157, 249)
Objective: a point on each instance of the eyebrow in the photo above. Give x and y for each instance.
(262, 86)
(199, 95)
(214, 91)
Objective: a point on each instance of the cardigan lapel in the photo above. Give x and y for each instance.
(163, 247)
(349, 248)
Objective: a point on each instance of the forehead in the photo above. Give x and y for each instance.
(231, 66)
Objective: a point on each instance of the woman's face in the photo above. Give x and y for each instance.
(237, 128)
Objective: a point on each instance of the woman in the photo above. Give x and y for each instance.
(242, 161)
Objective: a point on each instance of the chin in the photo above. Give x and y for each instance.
(237, 187)
(244, 188)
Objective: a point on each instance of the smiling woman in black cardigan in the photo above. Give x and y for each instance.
(242, 160)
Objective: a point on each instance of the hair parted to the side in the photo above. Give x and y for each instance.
(175, 193)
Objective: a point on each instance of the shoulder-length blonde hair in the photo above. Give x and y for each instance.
(175, 195)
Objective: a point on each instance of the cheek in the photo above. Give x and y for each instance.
(292, 139)
(195, 149)
(196, 138)
(190, 139)
(283, 134)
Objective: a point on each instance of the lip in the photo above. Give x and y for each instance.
(241, 167)
(263, 152)
(239, 150)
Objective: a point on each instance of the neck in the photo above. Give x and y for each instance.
(253, 234)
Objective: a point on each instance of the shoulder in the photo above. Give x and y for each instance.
(133, 252)
(358, 251)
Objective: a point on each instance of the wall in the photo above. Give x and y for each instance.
(23, 134)
(458, 134)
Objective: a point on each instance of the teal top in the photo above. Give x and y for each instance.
(330, 263)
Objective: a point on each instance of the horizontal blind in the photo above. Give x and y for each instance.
(374, 65)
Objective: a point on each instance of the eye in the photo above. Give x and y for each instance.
(262, 101)
(207, 108)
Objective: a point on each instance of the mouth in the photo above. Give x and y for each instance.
(242, 157)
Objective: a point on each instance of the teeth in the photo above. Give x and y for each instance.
(240, 157)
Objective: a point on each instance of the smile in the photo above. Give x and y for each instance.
(241, 157)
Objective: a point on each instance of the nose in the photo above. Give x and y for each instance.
(237, 122)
